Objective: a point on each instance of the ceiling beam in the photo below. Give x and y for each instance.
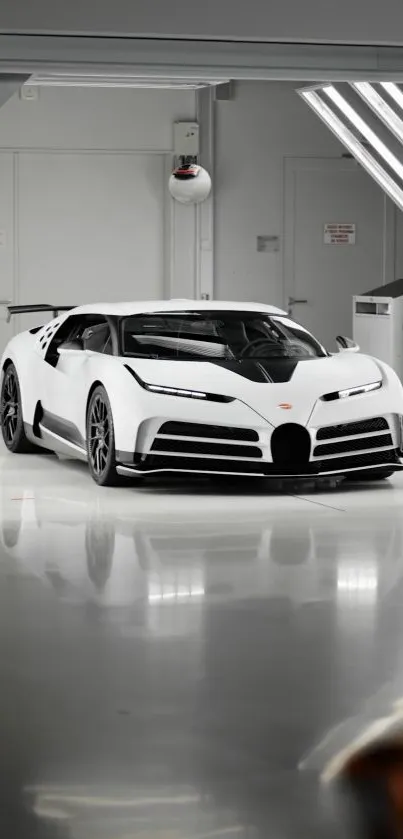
(198, 59)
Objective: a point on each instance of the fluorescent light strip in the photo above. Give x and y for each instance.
(348, 139)
(354, 579)
(381, 108)
(394, 92)
(364, 129)
(182, 593)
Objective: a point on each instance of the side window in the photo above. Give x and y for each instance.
(92, 330)
(97, 338)
(65, 332)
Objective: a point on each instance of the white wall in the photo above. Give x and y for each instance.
(399, 245)
(81, 167)
(82, 118)
(278, 20)
(263, 124)
(254, 132)
(95, 231)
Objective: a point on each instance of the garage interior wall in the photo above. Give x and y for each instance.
(264, 124)
(84, 173)
(85, 211)
(399, 246)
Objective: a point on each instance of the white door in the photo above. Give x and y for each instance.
(6, 244)
(65, 379)
(63, 397)
(90, 228)
(326, 276)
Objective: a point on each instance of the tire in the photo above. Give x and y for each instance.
(11, 531)
(101, 440)
(12, 421)
(378, 475)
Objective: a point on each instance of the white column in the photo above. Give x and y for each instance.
(205, 211)
(189, 247)
(180, 244)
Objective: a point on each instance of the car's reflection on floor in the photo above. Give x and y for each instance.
(168, 660)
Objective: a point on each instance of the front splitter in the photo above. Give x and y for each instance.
(136, 473)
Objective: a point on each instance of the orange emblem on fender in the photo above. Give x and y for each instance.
(285, 405)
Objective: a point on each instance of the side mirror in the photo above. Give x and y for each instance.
(346, 344)
(70, 347)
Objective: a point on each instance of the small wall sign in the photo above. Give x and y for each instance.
(339, 234)
(268, 244)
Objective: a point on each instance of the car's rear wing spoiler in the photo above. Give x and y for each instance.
(36, 307)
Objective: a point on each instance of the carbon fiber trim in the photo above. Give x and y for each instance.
(166, 463)
(63, 428)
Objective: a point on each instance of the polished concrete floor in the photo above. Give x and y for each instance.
(171, 655)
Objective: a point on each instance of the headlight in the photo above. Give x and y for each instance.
(177, 391)
(351, 391)
(354, 391)
(173, 391)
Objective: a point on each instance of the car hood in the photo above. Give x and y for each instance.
(264, 384)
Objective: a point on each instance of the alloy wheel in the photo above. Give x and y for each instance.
(10, 407)
(99, 435)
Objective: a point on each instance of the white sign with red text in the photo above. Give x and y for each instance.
(339, 234)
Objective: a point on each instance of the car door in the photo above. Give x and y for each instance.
(67, 376)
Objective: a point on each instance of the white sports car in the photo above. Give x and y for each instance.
(233, 389)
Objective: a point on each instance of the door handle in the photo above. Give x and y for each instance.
(292, 301)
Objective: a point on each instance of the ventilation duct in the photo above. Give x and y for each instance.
(368, 120)
(122, 80)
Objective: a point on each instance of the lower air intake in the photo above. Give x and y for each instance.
(348, 429)
(198, 429)
(189, 447)
(344, 446)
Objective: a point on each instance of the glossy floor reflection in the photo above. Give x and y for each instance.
(170, 654)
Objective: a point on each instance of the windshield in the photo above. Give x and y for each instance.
(226, 336)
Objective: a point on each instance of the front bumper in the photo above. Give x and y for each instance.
(369, 444)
